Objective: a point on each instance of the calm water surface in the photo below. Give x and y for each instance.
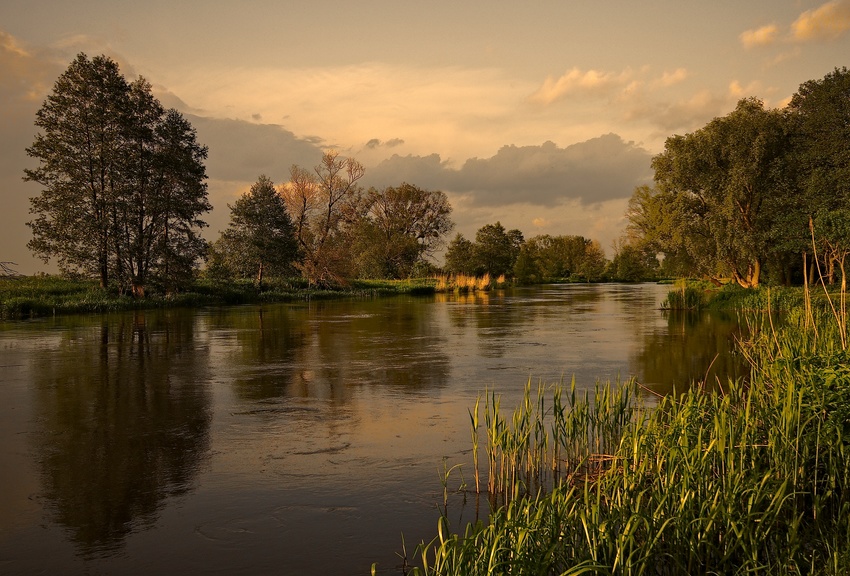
(290, 439)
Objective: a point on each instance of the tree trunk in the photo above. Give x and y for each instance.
(260, 274)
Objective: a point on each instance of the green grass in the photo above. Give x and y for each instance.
(750, 480)
(39, 296)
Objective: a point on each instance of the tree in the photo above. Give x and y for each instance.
(724, 186)
(496, 249)
(323, 205)
(260, 238)
(123, 181)
(401, 226)
(655, 227)
(548, 258)
(633, 263)
(820, 114)
(460, 256)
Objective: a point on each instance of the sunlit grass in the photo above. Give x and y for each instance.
(462, 283)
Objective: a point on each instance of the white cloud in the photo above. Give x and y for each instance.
(672, 78)
(763, 36)
(452, 109)
(827, 22)
(580, 81)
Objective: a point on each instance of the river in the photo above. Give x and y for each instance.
(302, 438)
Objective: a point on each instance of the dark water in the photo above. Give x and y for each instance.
(290, 439)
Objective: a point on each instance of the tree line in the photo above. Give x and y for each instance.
(753, 194)
(324, 226)
(124, 192)
(757, 194)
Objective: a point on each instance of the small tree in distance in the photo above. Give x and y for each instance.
(260, 239)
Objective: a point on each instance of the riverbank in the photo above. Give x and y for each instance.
(701, 295)
(39, 296)
(753, 479)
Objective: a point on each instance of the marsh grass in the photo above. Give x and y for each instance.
(463, 283)
(751, 480)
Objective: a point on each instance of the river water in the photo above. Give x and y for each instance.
(304, 438)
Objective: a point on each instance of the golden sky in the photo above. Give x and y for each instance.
(542, 115)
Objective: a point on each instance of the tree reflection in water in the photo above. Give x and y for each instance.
(694, 350)
(123, 424)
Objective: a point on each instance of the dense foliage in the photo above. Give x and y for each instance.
(755, 192)
(260, 238)
(123, 181)
(494, 252)
(557, 258)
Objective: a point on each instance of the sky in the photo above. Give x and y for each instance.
(541, 115)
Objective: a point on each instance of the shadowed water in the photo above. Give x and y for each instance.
(301, 438)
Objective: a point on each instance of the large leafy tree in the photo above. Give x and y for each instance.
(820, 115)
(260, 238)
(460, 256)
(723, 187)
(400, 227)
(123, 181)
(495, 252)
(820, 112)
(548, 257)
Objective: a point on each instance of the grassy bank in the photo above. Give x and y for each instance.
(38, 296)
(700, 295)
(751, 480)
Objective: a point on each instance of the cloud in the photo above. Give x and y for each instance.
(763, 36)
(827, 22)
(684, 114)
(449, 108)
(27, 76)
(590, 172)
(674, 77)
(240, 150)
(579, 81)
(375, 143)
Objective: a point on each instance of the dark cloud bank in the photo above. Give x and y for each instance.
(600, 169)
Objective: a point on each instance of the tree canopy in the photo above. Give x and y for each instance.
(123, 181)
(494, 252)
(323, 204)
(755, 191)
(398, 228)
(721, 187)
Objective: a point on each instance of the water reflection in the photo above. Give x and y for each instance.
(327, 350)
(288, 428)
(697, 348)
(123, 423)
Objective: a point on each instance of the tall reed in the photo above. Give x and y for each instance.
(755, 479)
(464, 283)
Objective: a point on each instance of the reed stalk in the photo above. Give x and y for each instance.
(755, 479)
